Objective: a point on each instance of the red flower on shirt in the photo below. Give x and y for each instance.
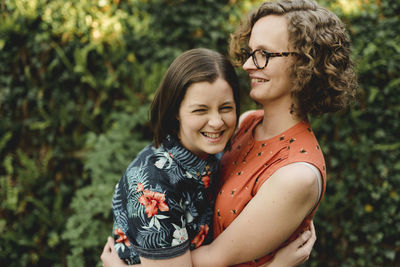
(153, 201)
(199, 238)
(122, 237)
(206, 181)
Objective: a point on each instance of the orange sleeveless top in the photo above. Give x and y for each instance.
(249, 163)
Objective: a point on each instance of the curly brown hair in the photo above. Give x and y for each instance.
(323, 72)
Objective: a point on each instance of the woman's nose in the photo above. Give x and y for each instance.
(216, 121)
(249, 64)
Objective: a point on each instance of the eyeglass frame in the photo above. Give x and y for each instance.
(267, 56)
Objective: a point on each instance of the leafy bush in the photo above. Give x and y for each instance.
(359, 222)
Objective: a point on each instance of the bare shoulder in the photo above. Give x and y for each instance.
(244, 115)
(297, 180)
(296, 175)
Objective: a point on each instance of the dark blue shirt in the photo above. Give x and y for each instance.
(163, 204)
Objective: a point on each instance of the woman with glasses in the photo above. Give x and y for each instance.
(297, 55)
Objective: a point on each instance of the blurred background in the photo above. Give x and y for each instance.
(76, 80)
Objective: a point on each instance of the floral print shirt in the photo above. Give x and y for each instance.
(162, 206)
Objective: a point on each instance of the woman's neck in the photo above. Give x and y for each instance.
(275, 122)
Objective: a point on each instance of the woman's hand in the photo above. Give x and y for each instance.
(110, 257)
(296, 252)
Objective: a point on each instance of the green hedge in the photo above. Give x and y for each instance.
(359, 221)
(76, 79)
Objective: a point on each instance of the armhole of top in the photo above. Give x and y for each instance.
(319, 178)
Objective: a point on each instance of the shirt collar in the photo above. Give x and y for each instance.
(193, 164)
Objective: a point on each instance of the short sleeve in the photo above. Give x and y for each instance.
(151, 216)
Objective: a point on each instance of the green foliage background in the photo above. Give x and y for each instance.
(76, 80)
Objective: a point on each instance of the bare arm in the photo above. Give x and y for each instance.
(276, 211)
(292, 255)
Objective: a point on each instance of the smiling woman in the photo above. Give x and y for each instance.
(207, 121)
(162, 205)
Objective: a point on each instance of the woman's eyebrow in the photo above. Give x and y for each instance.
(263, 47)
(229, 102)
(197, 106)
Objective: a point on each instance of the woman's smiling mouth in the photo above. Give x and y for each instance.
(212, 135)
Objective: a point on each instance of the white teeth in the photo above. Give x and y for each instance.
(212, 135)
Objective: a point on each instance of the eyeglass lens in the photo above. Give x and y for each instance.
(259, 58)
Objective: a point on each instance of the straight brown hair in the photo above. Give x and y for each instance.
(193, 66)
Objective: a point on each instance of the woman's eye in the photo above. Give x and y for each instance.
(227, 108)
(199, 110)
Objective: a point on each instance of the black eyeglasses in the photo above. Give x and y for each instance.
(260, 57)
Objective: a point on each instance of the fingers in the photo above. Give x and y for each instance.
(106, 247)
(110, 242)
(107, 250)
(309, 237)
(302, 239)
(312, 229)
(308, 245)
(109, 246)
